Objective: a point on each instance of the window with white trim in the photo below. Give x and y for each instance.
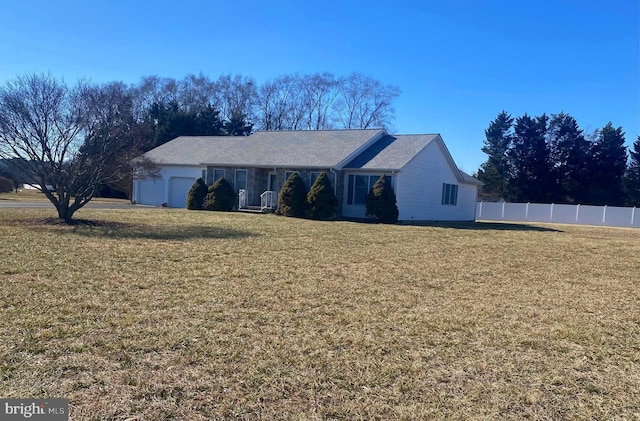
(288, 174)
(358, 186)
(312, 177)
(217, 174)
(449, 194)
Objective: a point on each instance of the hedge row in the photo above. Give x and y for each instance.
(218, 197)
(319, 202)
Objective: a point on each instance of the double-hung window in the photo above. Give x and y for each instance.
(359, 186)
(312, 177)
(449, 194)
(217, 174)
(288, 174)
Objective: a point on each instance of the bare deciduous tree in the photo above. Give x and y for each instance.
(364, 102)
(73, 139)
(321, 101)
(320, 93)
(235, 96)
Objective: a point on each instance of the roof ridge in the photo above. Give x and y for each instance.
(317, 130)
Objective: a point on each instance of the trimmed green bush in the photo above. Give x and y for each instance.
(6, 185)
(195, 198)
(292, 200)
(221, 196)
(381, 202)
(322, 203)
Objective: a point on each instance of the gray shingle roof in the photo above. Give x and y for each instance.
(470, 179)
(391, 152)
(299, 149)
(305, 148)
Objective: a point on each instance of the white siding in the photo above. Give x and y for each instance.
(419, 189)
(156, 192)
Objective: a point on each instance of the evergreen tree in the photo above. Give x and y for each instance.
(6, 185)
(196, 195)
(238, 125)
(221, 196)
(569, 150)
(293, 197)
(632, 176)
(381, 202)
(607, 165)
(322, 203)
(170, 121)
(530, 177)
(495, 171)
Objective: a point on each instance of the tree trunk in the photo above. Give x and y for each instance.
(65, 213)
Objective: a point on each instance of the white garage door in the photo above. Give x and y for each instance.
(150, 192)
(178, 189)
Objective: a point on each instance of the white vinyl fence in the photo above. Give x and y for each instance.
(610, 216)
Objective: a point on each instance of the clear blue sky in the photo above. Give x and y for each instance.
(458, 63)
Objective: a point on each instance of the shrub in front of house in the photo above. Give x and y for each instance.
(381, 202)
(196, 195)
(221, 196)
(322, 202)
(6, 185)
(292, 200)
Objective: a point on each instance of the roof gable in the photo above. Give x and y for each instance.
(393, 152)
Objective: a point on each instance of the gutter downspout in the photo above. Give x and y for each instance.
(335, 181)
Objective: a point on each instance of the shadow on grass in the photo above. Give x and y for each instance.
(485, 226)
(119, 230)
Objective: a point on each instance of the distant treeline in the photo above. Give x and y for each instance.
(237, 105)
(549, 159)
(111, 123)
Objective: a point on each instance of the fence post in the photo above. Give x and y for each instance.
(551, 213)
(502, 217)
(633, 214)
(480, 211)
(577, 212)
(604, 214)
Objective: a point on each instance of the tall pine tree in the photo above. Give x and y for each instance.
(607, 165)
(495, 171)
(569, 151)
(632, 176)
(530, 179)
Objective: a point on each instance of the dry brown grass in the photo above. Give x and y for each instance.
(35, 196)
(170, 314)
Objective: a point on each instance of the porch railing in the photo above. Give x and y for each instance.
(242, 198)
(268, 200)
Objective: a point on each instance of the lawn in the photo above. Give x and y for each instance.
(36, 196)
(169, 314)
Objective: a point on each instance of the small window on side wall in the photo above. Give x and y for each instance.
(449, 194)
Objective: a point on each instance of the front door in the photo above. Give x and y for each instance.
(273, 182)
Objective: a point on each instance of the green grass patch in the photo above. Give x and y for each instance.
(172, 314)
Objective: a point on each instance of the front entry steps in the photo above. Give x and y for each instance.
(256, 209)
